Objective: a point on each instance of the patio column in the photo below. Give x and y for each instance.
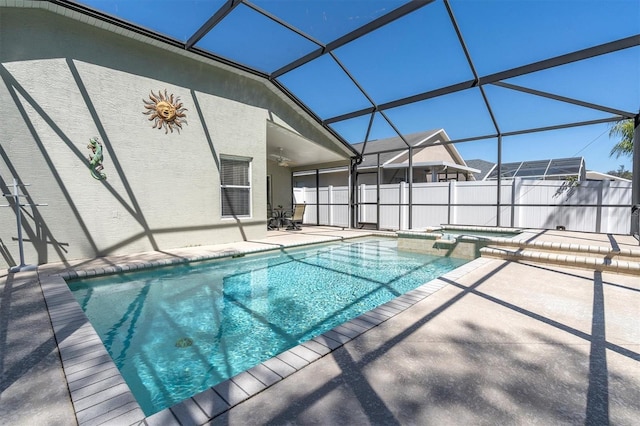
(353, 196)
(318, 197)
(635, 180)
(410, 218)
(499, 181)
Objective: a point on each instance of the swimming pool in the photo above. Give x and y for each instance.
(176, 331)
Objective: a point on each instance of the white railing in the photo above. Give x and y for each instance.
(590, 206)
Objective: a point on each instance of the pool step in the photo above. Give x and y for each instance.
(625, 261)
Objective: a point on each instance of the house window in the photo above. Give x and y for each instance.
(235, 186)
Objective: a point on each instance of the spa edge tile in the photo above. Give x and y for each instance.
(361, 322)
(409, 301)
(292, 359)
(266, 375)
(88, 374)
(88, 364)
(69, 316)
(107, 409)
(210, 402)
(97, 386)
(418, 291)
(279, 367)
(389, 309)
(356, 326)
(398, 304)
(305, 353)
(376, 313)
(101, 395)
(336, 336)
(411, 296)
(248, 383)
(189, 413)
(161, 418)
(81, 349)
(71, 358)
(230, 392)
(316, 347)
(376, 319)
(349, 332)
(74, 339)
(327, 341)
(365, 321)
(134, 416)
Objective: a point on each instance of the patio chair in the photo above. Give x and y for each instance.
(296, 217)
(273, 218)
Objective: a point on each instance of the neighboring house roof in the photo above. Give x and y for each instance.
(593, 175)
(484, 166)
(382, 146)
(437, 165)
(394, 151)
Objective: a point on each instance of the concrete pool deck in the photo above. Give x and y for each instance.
(500, 342)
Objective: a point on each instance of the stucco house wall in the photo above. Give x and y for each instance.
(280, 184)
(432, 153)
(65, 81)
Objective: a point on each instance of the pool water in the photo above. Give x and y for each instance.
(176, 331)
(472, 233)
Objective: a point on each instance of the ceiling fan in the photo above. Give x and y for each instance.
(281, 159)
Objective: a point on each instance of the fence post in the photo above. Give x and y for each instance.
(362, 211)
(401, 207)
(330, 206)
(602, 222)
(451, 211)
(515, 195)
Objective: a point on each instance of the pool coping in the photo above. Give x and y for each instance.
(100, 394)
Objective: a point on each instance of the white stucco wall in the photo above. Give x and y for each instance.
(63, 82)
(281, 184)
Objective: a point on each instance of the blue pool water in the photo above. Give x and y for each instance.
(176, 331)
(472, 233)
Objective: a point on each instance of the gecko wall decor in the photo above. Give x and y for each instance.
(95, 158)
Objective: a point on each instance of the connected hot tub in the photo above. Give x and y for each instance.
(462, 242)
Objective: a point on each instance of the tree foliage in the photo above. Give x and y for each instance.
(621, 172)
(623, 130)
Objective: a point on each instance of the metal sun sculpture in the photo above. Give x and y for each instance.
(95, 158)
(165, 111)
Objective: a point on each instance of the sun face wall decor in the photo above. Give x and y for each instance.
(166, 112)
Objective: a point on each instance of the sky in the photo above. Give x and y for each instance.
(421, 52)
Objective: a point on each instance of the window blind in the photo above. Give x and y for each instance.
(235, 187)
(234, 172)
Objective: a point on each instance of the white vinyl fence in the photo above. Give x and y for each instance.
(589, 206)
